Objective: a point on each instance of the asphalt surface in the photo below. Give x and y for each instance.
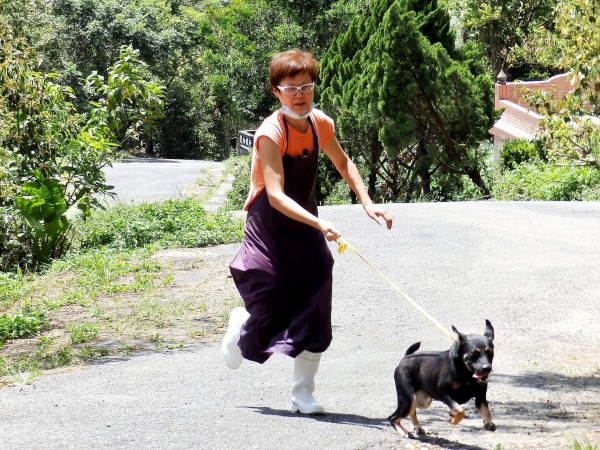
(150, 179)
(530, 268)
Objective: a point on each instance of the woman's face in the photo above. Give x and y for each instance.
(299, 102)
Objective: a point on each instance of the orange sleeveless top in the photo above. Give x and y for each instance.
(274, 129)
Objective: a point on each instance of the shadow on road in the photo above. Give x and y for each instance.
(342, 419)
(554, 398)
(148, 160)
(379, 424)
(552, 381)
(447, 444)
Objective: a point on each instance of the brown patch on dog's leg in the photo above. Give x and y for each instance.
(416, 425)
(487, 417)
(397, 423)
(401, 430)
(457, 414)
(413, 419)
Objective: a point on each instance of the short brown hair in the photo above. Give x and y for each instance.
(291, 63)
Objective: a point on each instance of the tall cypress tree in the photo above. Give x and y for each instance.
(341, 70)
(397, 79)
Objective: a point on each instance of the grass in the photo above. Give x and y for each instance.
(12, 288)
(584, 445)
(173, 223)
(236, 196)
(20, 325)
(82, 332)
(208, 185)
(110, 295)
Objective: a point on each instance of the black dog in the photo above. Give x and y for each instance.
(453, 377)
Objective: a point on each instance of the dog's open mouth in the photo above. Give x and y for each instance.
(480, 376)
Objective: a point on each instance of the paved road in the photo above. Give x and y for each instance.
(530, 268)
(150, 179)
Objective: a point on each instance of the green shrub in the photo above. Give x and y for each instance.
(12, 289)
(545, 181)
(520, 151)
(238, 193)
(339, 194)
(82, 332)
(20, 325)
(171, 223)
(450, 187)
(51, 153)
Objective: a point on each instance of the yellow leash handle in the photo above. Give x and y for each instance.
(343, 245)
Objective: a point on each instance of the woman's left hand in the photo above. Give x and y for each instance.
(330, 232)
(378, 214)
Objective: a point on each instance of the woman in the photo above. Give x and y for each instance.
(284, 269)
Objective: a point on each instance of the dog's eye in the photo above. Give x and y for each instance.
(475, 354)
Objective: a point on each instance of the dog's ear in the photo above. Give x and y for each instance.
(489, 330)
(461, 337)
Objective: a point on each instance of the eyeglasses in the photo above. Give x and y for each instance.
(294, 89)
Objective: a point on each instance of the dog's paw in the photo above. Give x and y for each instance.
(490, 426)
(419, 431)
(456, 416)
(403, 432)
(411, 435)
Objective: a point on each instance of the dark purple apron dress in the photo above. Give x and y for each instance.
(284, 270)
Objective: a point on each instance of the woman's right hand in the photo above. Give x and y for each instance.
(330, 232)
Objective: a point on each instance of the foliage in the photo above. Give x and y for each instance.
(172, 223)
(128, 104)
(520, 151)
(38, 125)
(44, 209)
(452, 187)
(330, 183)
(318, 20)
(13, 245)
(94, 278)
(82, 332)
(569, 41)
(414, 111)
(11, 288)
(501, 25)
(210, 56)
(52, 155)
(20, 326)
(547, 182)
(236, 196)
(571, 125)
(584, 445)
(338, 194)
(571, 139)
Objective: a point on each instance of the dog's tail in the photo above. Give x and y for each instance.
(413, 348)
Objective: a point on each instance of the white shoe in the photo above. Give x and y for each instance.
(229, 347)
(306, 365)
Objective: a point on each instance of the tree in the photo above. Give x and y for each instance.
(51, 155)
(165, 37)
(571, 125)
(210, 56)
(500, 26)
(316, 21)
(420, 112)
(341, 67)
(131, 103)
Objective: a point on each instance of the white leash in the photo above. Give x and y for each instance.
(343, 245)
